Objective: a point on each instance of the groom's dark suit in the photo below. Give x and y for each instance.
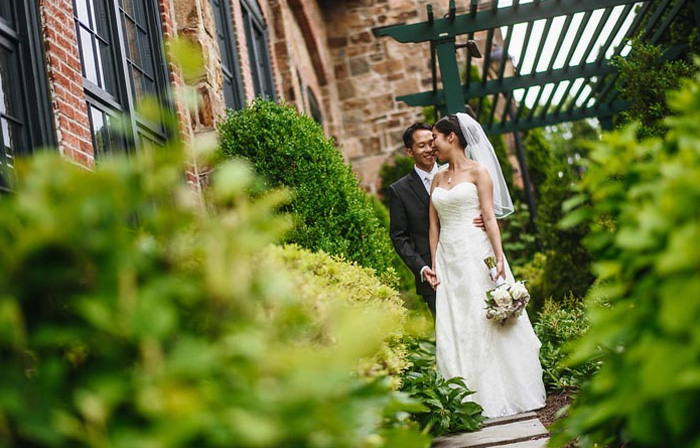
(409, 213)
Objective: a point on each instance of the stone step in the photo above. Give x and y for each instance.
(517, 431)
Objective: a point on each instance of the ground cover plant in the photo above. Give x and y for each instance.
(443, 412)
(560, 323)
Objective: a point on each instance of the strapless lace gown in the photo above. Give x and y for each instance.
(499, 362)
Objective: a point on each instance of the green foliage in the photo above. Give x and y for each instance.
(560, 322)
(519, 242)
(403, 277)
(332, 213)
(562, 266)
(644, 82)
(130, 317)
(568, 265)
(444, 411)
(683, 29)
(322, 283)
(645, 238)
(391, 172)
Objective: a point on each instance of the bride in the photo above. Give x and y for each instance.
(499, 362)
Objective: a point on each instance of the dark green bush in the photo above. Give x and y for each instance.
(563, 265)
(645, 240)
(131, 318)
(391, 172)
(332, 213)
(405, 281)
(561, 322)
(644, 81)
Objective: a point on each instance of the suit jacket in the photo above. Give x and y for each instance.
(409, 225)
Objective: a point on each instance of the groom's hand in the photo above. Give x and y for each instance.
(431, 278)
(479, 222)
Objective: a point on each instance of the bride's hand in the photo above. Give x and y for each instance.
(500, 269)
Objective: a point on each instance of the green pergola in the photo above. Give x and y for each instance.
(587, 61)
(587, 34)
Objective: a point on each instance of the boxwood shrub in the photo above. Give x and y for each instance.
(332, 212)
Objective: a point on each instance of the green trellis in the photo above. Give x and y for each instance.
(650, 21)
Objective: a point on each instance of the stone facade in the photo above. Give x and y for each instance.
(321, 51)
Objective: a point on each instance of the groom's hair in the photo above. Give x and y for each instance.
(408, 133)
(450, 123)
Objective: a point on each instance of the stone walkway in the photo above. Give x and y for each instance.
(517, 431)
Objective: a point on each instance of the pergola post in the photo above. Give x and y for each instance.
(451, 84)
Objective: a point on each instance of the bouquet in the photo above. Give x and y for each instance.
(504, 301)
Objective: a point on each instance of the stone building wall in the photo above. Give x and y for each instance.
(323, 48)
(371, 72)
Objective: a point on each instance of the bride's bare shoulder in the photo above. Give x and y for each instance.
(480, 170)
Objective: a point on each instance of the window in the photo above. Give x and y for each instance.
(256, 38)
(23, 88)
(122, 64)
(314, 109)
(230, 67)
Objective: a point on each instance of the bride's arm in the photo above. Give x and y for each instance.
(485, 188)
(434, 233)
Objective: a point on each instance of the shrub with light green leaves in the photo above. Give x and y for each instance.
(323, 283)
(645, 240)
(129, 317)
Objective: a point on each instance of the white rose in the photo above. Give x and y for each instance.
(519, 291)
(502, 297)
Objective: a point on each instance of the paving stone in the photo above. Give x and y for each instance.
(510, 418)
(539, 443)
(519, 431)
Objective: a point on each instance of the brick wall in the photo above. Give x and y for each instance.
(66, 82)
(322, 45)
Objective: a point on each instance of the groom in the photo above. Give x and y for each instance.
(409, 202)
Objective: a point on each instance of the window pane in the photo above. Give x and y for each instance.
(141, 48)
(106, 138)
(227, 48)
(264, 64)
(6, 13)
(95, 44)
(82, 11)
(314, 109)
(256, 38)
(87, 49)
(13, 131)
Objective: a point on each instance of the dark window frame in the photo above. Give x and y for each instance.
(314, 106)
(122, 103)
(258, 49)
(234, 93)
(29, 91)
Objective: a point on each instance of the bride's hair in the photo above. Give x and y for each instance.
(450, 123)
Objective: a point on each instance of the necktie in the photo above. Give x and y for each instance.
(428, 181)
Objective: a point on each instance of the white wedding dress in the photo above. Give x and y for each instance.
(499, 362)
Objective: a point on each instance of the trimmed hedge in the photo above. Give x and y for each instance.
(333, 214)
(322, 283)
